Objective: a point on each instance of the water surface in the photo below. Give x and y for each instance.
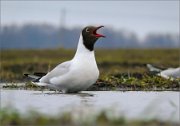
(130, 104)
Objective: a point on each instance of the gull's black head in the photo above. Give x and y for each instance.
(90, 36)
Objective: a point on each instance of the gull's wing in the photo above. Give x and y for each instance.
(153, 69)
(59, 70)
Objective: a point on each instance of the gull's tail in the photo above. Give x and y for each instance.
(153, 69)
(36, 77)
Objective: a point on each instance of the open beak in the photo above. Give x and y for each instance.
(97, 34)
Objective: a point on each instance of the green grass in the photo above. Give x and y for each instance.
(11, 117)
(114, 65)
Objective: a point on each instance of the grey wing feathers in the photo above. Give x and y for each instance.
(153, 69)
(59, 70)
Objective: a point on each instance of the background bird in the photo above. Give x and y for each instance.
(169, 73)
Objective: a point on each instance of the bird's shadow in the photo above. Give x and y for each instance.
(81, 94)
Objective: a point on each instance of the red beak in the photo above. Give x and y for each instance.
(97, 34)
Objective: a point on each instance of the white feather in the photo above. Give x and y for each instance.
(172, 73)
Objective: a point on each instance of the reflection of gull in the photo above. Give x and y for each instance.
(170, 73)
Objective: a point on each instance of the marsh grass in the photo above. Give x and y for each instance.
(11, 117)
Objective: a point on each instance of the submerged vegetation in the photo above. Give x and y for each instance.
(121, 68)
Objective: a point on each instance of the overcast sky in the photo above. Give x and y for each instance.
(141, 17)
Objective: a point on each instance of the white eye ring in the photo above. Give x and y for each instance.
(87, 29)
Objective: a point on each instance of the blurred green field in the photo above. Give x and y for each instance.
(10, 117)
(14, 63)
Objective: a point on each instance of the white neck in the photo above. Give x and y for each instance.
(82, 51)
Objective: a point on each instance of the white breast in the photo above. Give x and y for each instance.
(84, 68)
(83, 71)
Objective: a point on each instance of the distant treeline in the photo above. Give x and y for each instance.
(47, 36)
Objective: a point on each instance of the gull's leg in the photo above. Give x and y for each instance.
(42, 90)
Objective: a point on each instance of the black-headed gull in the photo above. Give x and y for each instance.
(77, 74)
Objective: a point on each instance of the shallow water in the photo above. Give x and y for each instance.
(130, 104)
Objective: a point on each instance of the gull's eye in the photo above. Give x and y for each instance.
(87, 29)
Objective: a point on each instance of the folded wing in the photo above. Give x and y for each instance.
(59, 70)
